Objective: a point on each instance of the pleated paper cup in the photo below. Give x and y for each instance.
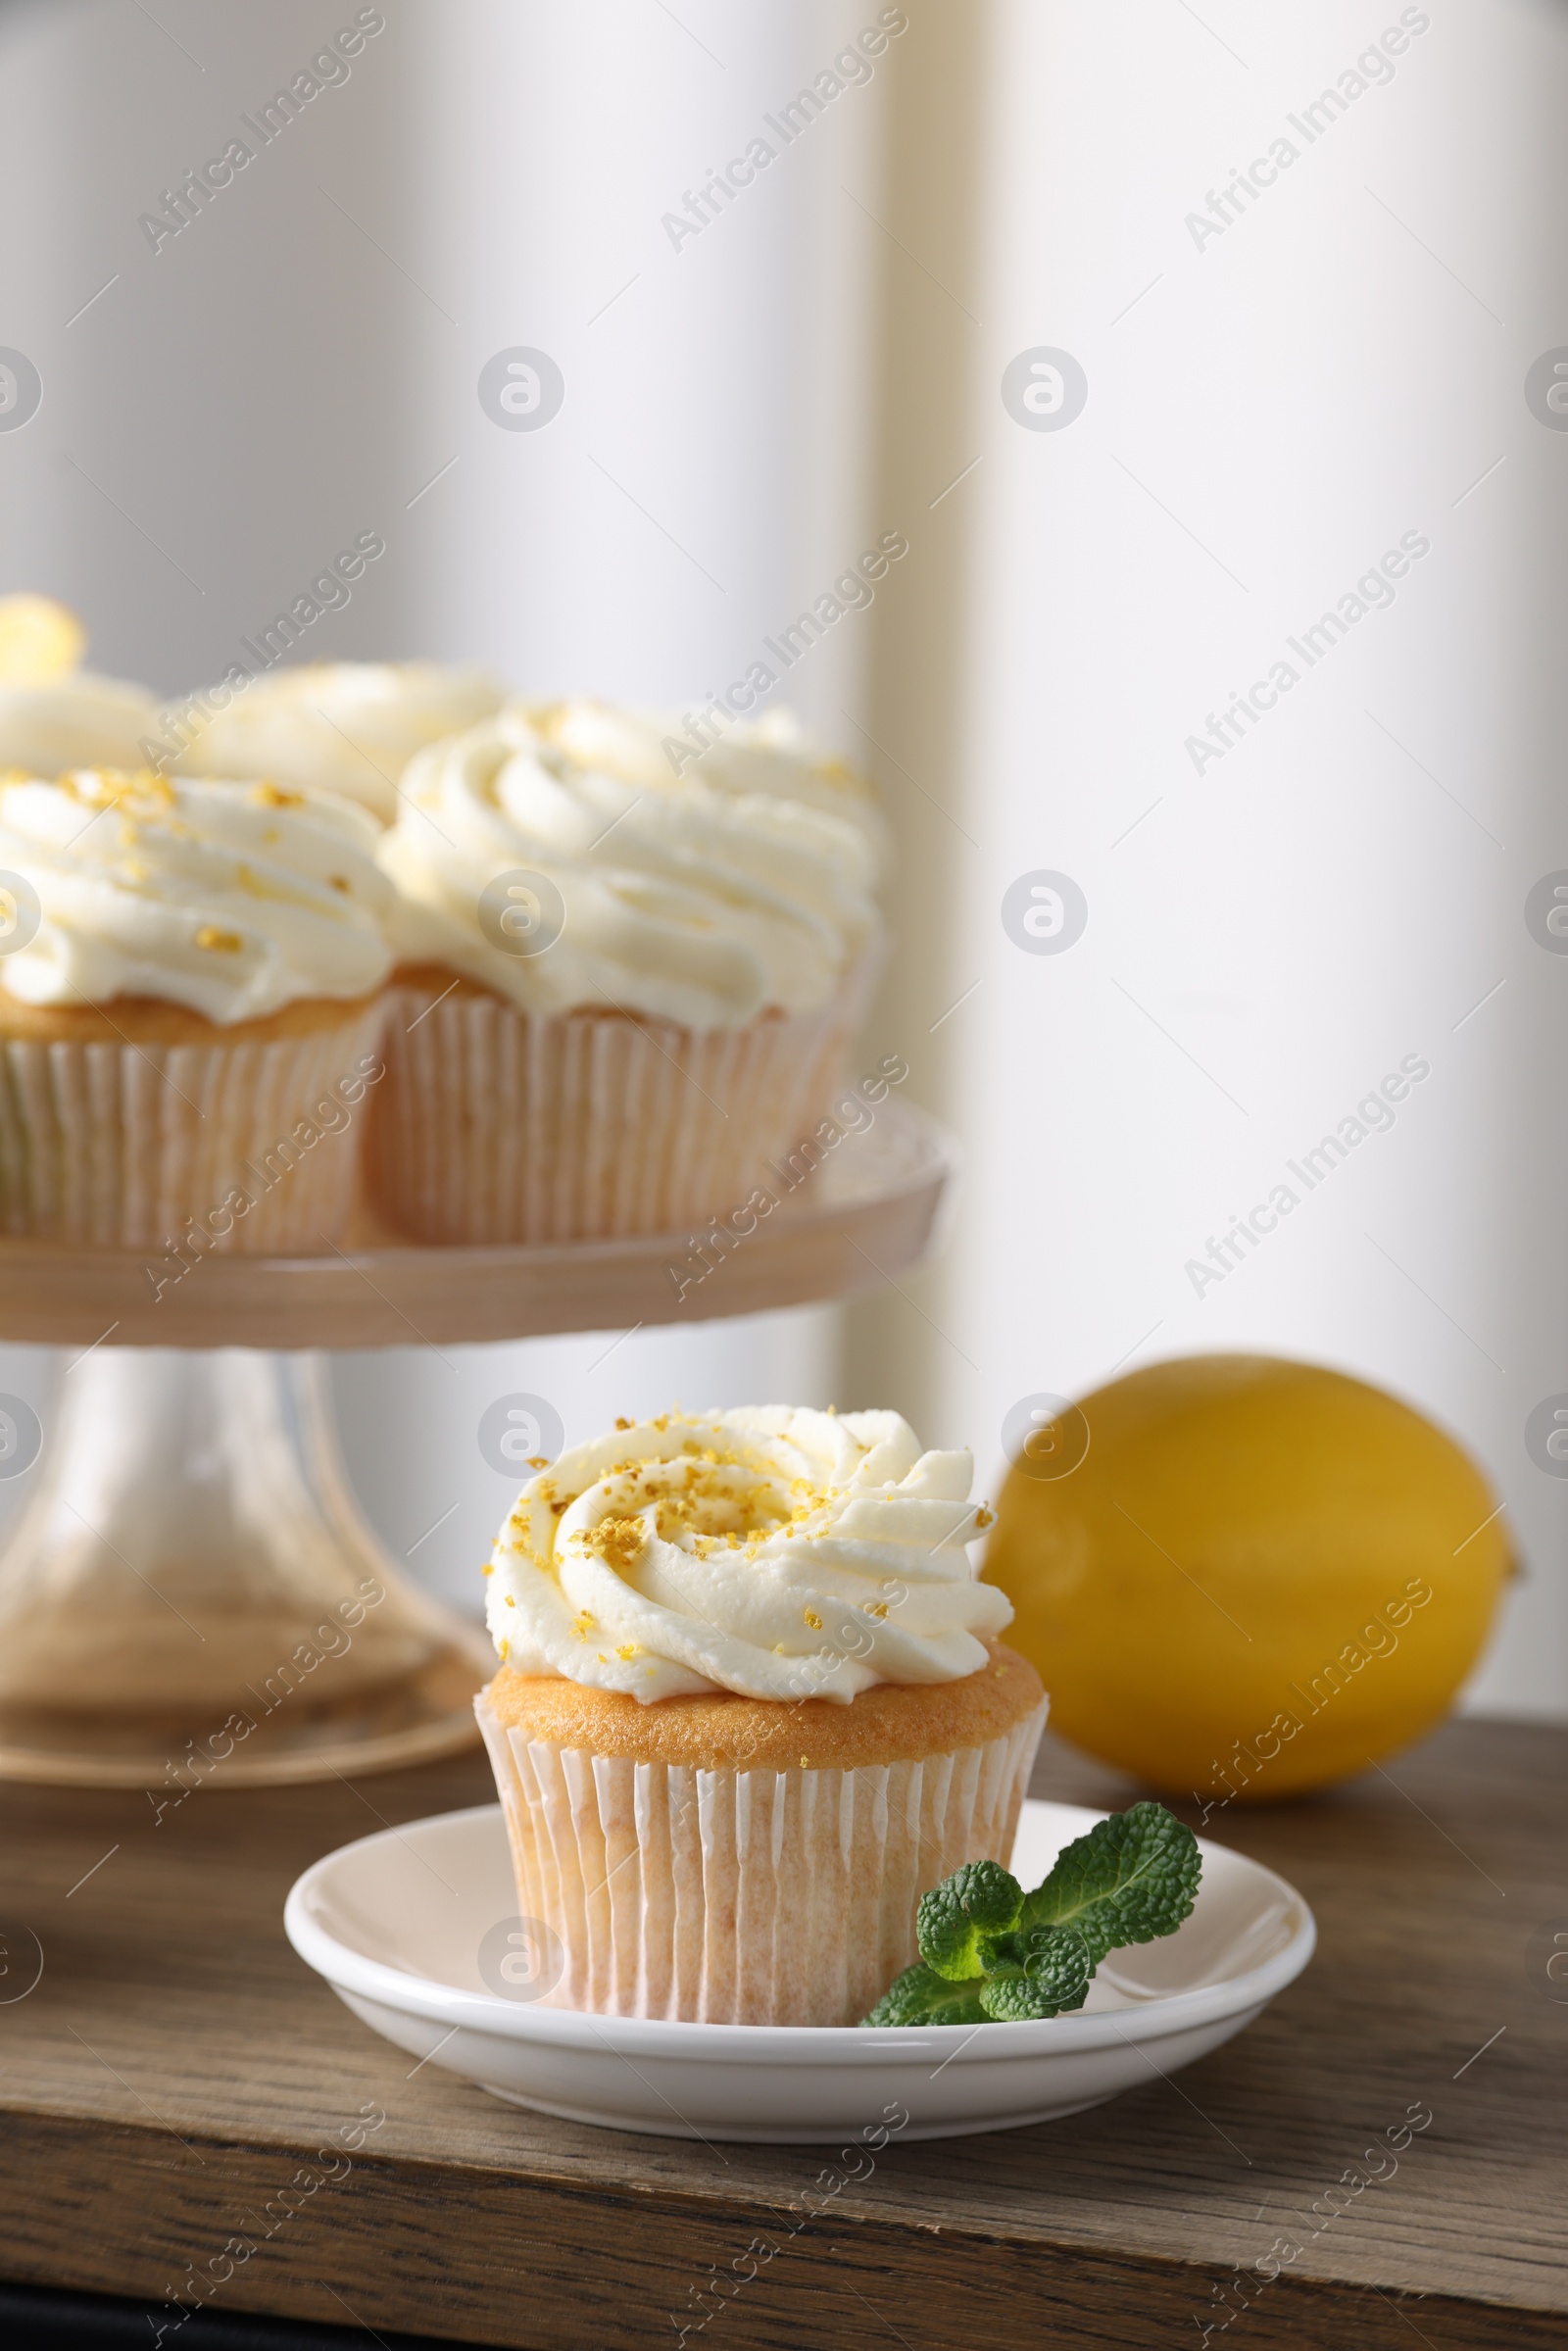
(144, 1127)
(495, 1124)
(743, 1896)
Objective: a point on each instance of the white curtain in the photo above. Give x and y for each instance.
(1288, 386)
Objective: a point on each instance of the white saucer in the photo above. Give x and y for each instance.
(395, 1924)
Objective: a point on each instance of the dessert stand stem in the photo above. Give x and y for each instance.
(192, 1594)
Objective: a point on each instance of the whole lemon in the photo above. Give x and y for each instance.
(1240, 1577)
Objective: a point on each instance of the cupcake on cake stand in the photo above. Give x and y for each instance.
(190, 1592)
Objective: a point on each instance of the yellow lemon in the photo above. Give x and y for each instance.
(1240, 1577)
(39, 641)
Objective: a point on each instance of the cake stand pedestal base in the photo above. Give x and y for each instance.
(192, 1597)
(191, 1594)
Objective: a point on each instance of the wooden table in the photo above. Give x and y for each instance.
(176, 2062)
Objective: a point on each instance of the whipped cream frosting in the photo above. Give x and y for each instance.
(742, 882)
(771, 1552)
(771, 753)
(336, 726)
(230, 899)
(77, 721)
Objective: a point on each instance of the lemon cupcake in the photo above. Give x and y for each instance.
(190, 982)
(751, 1707)
(350, 727)
(79, 721)
(627, 978)
(53, 714)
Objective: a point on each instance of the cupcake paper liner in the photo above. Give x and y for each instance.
(500, 1125)
(737, 1897)
(121, 1145)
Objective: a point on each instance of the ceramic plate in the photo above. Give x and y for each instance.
(413, 1926)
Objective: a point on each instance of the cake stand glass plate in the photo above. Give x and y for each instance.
(405, 1926)
(191, 1592)
(843, 1220)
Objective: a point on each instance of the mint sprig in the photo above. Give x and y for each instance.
(1132, 1879)
(959, 1917)
(989, 1952)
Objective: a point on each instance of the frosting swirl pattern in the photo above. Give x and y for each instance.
(335, 726)
(700, 897)
(77, 721)
(230, 899)
(770, 1552)
(772, 753)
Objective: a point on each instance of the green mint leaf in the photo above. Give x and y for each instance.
(979, 1901)
(988, 1951)
(1050, 1973)
(1132, 1879)
(920, 1998)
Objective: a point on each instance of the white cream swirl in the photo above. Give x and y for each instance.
(230, 899)
(772, 753)
(684, 898)
(335, 726)
(771, 1552)
(77, 721)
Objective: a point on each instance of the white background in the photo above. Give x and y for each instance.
(1347, 886)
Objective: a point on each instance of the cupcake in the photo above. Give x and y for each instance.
(50, 725)
(627, 974)
(190, 1008)
(53, 714)
(751, 1707)
(350, 727)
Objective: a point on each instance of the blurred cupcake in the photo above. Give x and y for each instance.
(80, 721)
(751, 1707)
(350, 727)
(620, 990)
(190, 1006)
(53, 714)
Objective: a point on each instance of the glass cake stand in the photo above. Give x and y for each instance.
(191, 1591)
